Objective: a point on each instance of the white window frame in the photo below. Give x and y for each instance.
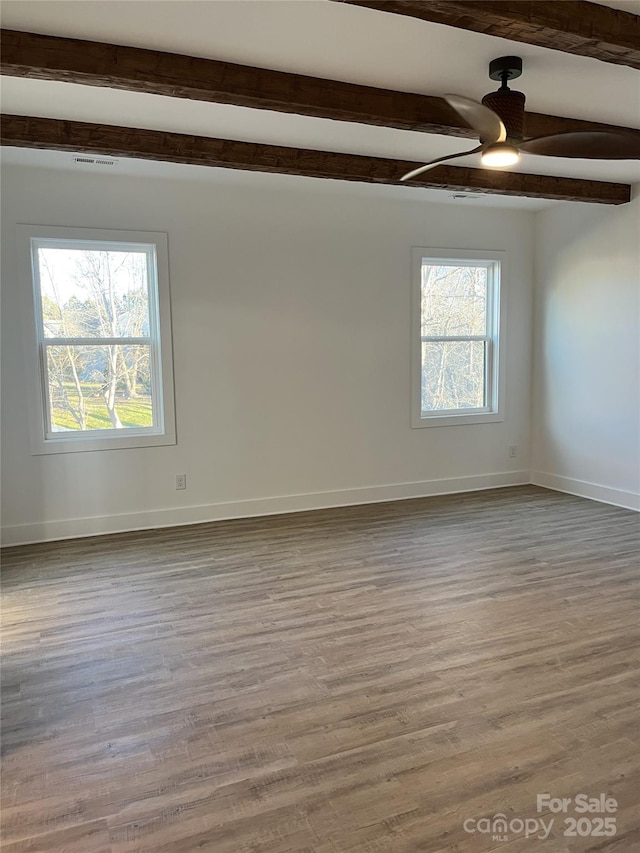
(42, 439)
(493, 412)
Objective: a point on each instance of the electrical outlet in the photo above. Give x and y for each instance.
(181, 481)
(513, 451)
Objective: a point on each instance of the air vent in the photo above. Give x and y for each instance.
(94, 161)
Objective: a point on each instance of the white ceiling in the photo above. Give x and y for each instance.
(322, 39)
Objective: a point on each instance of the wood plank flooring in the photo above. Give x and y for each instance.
(357, 680)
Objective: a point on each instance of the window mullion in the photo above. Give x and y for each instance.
(436, 338)
(104, 342)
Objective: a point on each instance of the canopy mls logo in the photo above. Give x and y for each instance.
(600, 822)
(499, 827)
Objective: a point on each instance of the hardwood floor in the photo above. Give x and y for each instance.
(358, 680)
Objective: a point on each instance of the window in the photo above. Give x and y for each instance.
(457, 375)
(99, 339)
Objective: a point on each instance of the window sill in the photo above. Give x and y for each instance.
(420, 421)
(44, 447)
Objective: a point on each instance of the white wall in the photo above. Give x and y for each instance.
(290, 303)
(586, 402)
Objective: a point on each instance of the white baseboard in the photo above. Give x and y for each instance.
(584, 489)
(74, 528)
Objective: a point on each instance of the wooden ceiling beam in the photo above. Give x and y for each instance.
(572, 26)
(134, 69)
(81, 137)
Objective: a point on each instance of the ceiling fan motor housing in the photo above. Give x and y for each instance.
(509, 105)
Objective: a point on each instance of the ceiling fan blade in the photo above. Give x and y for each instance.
(484, 121)
(586, 145)
(433, 163)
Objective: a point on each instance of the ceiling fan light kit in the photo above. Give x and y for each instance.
(500, 154)
(499, 123)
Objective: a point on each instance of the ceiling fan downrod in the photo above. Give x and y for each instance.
(506, 102)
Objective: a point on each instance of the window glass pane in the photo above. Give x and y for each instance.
(453, 375)
(453, 300)
(93, 293)
(99, 387)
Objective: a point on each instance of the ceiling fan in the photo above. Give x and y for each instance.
(499, 123)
